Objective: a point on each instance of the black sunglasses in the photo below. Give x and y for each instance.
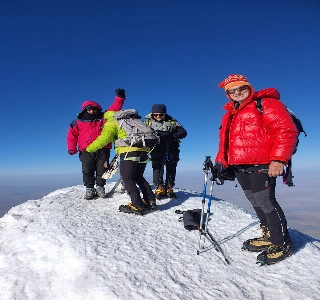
(240, 89)
(91, 108)
(158, 115)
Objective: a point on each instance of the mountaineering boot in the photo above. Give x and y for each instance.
(153, 205)
(90, 193)
(101, 192)
(170, 193)
(130, 209)
(160, 192)
(150, 204)
(274, 254)
(258, 244)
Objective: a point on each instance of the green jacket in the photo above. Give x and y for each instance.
(110, 133)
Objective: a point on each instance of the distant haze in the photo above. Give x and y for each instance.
(300, 203)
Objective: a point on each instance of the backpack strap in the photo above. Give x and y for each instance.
(287, 176)
(259, 105)
(297, 122)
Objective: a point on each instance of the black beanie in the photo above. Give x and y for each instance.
(159, 108)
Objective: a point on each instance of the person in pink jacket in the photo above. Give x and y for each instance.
(82, 132)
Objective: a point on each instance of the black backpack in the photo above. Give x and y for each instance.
(287, 176)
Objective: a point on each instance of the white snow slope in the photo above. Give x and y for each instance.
(65, 247)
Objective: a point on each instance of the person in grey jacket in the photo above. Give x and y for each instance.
(166, 153)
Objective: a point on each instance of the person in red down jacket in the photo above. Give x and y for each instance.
(256, 147)
(82, 132)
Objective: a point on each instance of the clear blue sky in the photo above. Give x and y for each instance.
(56, 54)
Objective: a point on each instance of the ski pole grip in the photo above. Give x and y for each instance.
(207, 163)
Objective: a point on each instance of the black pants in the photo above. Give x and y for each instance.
(260, 191)
(132, 167)
(93, 167)
(164, 163)
(170, 169)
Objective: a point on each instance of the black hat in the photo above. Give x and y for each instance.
(159, 108)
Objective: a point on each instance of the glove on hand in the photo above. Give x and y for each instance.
(217, 170)
(165, 137)
(163, 134)
(121, 93)
(168, 139)
(72, 152)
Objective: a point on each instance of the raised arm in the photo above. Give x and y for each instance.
(118, 100)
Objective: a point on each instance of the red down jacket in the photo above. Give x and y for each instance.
(83, 132)
(249, 137)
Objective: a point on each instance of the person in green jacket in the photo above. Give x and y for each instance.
(133, 162)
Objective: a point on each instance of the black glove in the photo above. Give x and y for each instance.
(168, 139)
(217, 171)
(121, 93)
(165, 137)
(220, 173)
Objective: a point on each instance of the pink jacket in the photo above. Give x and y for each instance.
(82, 132)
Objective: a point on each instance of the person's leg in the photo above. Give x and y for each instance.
(128, 174)
(157, 158)
(269, 212)
(102, 156)
(171, 169)
(88, 168)
(157, 169)
(279, 235)
(148, 195)
(245, 183)
(268, 204)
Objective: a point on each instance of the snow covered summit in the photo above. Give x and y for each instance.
(65, 247)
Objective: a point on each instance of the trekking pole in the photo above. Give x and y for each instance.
(111, 192)
(208, 210)
(203, 201)
(216, 246)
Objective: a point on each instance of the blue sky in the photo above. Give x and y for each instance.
(55, 55)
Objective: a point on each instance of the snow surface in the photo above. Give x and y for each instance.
(65, 247)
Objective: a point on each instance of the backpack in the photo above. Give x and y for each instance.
(191, 218)
(138, 133)
(287, 176)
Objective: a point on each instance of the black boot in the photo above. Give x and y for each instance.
(150, 204)
(160, 192)
(170, 193)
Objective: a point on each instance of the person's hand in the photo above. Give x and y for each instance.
(167, 139)
(275, 169)
(217, 170)
(72, 152)
(121, 92)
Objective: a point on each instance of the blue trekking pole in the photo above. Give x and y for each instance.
(208, 209)
(206, 170)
